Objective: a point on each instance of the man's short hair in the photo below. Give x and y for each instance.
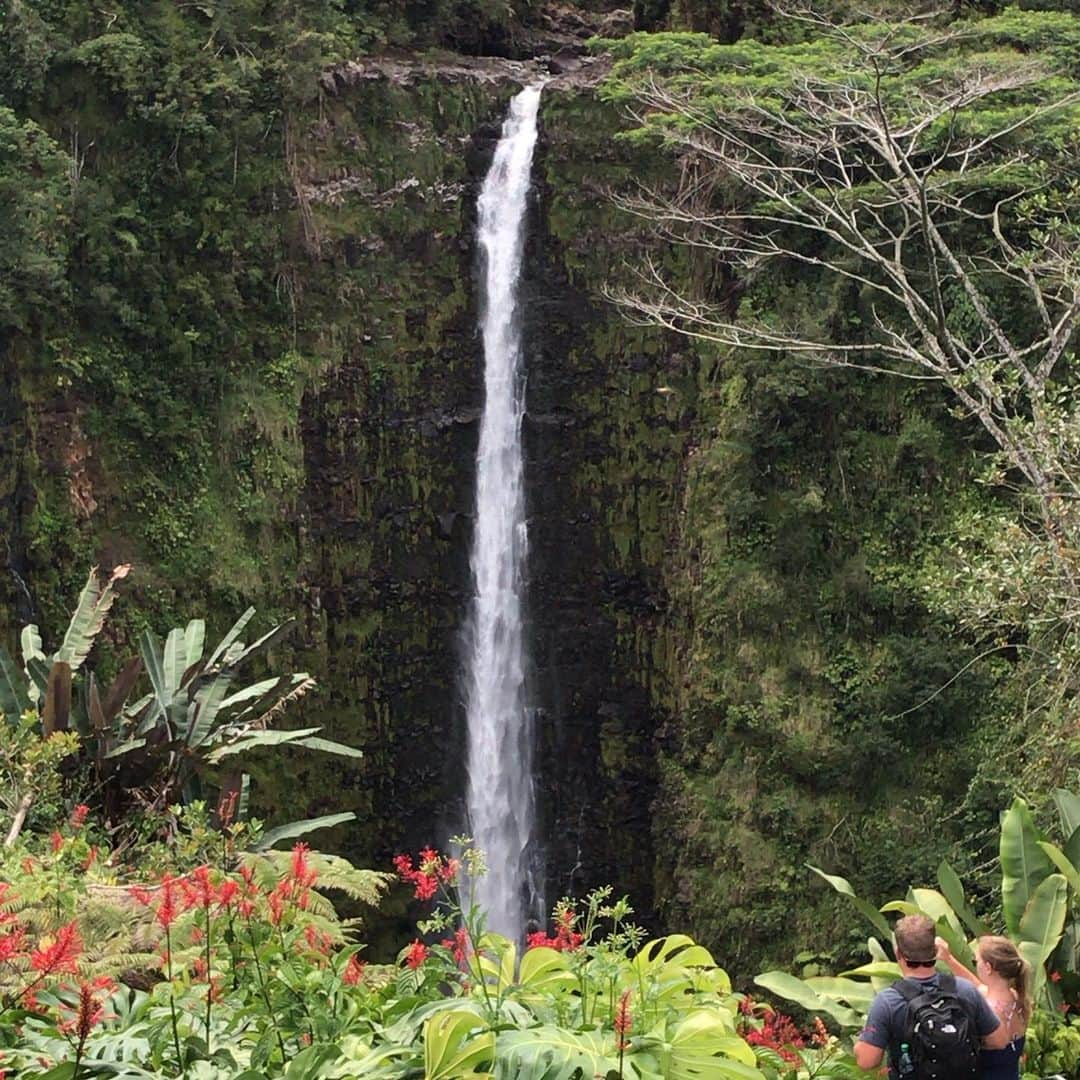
(915, 938)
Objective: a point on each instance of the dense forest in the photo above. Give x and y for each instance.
(798, 301)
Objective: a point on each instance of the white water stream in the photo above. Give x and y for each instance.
(500, 791)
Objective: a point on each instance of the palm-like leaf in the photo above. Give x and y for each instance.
(90, 612)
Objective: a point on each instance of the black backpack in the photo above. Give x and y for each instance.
(939, 1031)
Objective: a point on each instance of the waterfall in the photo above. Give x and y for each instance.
(500, 795)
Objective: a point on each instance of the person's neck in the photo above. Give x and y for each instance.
(916, 972)
(998, 985)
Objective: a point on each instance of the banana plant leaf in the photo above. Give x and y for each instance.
(1068, 807)
(301, 828)
(953, 891)
(257, 740)
(1024, 865)
(1041, 927)
(226, 642)
(89, 617)
(798, 990)
(843, 886)
(1065, 865)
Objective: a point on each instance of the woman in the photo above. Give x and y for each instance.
(1002, 974)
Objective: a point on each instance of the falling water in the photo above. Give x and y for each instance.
(500, 796)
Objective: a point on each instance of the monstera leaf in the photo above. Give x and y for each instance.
(554, 1054)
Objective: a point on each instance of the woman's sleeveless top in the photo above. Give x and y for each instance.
(1003, 1064)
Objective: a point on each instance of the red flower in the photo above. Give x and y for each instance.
(779, 1033)
(303, 874)
(820, 1036)
(427, 885)
(61, 955)
(227, 892)
(416, 955)
(12, 944)
(433, 870)
(169, 905)
(202, 888)
(354, 971)
(1055, 976)
(276, 902)
(78, 815)
(56, 842)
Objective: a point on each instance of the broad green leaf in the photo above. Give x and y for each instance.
(495, 959)
(554, 1054)
(329, 746)
(857, 994)
(236, 630)
(14, 700)
(125, 748)
(1064, 865)
(89, 617)
(545, 970)
(793, 989)
(257, 740)
(876, 969)
(261, 689)
(905, 907)
(957, 942)
(307, 1064)
(38, 671)
(449, 1052)
(1024, 865)
(701, 1045)
(1044, 917)
(933, 904)
(1068, 807)
(204, 708)
(300, 828)
(174, 659)
(155, 670)
(953, 890)
(1072, 847)
(30, 641)
(194, 640)
(843, 886)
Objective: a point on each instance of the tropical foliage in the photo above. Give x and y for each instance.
(1039, 904)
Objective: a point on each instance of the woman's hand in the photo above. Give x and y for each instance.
(941, 949)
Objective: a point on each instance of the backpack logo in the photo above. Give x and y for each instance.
(939, 1035)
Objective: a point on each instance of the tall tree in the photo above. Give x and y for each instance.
(930, 165)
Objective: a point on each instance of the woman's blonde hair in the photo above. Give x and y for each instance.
(1000, 953)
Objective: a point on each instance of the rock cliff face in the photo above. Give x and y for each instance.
(390, 179)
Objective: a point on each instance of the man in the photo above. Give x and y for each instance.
(886, 1023)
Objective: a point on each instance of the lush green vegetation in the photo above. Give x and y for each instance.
(230, 382)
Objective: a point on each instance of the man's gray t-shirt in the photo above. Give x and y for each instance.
(886, 1021)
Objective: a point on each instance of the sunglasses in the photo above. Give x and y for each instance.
(920, 963)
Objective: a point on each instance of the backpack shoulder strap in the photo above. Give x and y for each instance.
(908, 989)
(947, 983)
